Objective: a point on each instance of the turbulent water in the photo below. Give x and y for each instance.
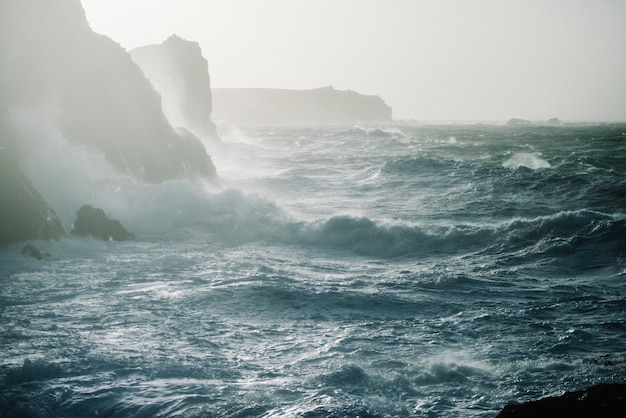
(403, 271)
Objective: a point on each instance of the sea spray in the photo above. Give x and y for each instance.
(64, 173)
(341, 272)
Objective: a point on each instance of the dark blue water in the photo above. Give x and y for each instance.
(416, 271)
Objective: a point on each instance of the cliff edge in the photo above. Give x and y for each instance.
(180, 73)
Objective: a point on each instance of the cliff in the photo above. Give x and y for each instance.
(179, 72)
(297, 107)
(24, 214)
(75, 110)
(92, 91)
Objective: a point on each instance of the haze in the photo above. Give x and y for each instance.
(429, 60)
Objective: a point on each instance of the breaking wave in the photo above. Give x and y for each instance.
(233, 217)
(331, 273)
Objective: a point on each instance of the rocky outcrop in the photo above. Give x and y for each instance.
(518, 122)
(604, 400)
(24, 214)
(93, 222)
(298, 107)
(29, 250)
(94, 93)
(179, 72)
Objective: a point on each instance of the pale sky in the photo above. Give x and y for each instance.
(428, 59)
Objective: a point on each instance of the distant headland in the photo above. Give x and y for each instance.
(321, 106)
(524, 122)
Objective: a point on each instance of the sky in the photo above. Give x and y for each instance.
(479, 60)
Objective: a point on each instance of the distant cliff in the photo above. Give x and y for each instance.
(297, 107)
(93, 92)
(179, 72)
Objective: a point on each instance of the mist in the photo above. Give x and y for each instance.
(429, 60)
(217, 208)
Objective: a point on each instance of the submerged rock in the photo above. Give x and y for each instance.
(93, 222)
(605, 400)
(24, 214)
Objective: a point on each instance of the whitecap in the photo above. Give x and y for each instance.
(526, 159)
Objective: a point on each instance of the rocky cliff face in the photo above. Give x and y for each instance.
(95, 94)
(298, 107)
(24, 214)
(179, 72)
(75, 109)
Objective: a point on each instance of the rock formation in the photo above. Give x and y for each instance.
(93, 222)
(179, 72)
(96, 95)
(298, 107)
(604, 400)
(29, 250)
(24, 214)
(518, 122)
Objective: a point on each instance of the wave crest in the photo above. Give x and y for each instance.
(526, 159)
(232, 217)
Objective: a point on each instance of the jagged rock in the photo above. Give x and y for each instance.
(604, 400)
(179, 72)
(298, 107)
(30, 250)
(24, 214)
(90, 91)
(93, 222)
(553, 122)
(516, 122)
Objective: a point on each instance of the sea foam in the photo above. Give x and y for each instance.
(526, 159)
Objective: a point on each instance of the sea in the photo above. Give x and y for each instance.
(402, 270)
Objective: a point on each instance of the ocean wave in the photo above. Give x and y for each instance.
(234, 218)
(364, 236)
(387, 132)
(560, 234)
(576, 225)
(413, 165)
(534, 161)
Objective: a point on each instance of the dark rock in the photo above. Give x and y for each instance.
(605, 400)
(93, 222)
(30, 250)
(24, 214)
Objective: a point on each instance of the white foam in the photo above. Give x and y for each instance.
(526, 159)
